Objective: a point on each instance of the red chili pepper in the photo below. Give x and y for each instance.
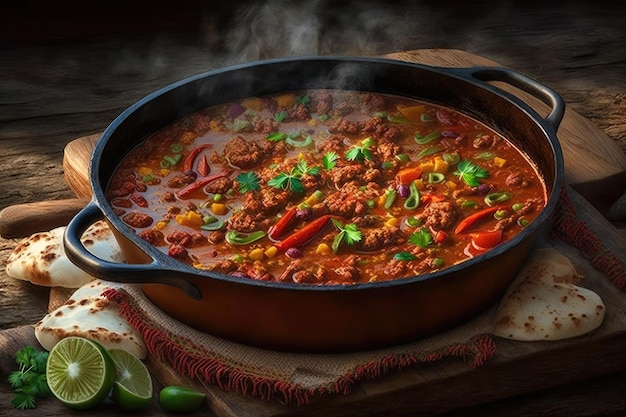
(304, 235)
(440, 236)
(196, 185)
(280, 228)
(203, 167)
(486, 239)
(474, 218)
(407, 175)
(191, 156)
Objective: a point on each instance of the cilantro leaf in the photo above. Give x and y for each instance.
(404, 256)
(305, 99)
(279, 117)
(292, 180)
(350, 234)
(361, 152)
(23, 400)
(422, 238)
(248, 181)
(29, 381)
(470, 173)
(276, 137)
(329, 160)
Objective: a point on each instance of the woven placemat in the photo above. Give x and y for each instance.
(293, 378)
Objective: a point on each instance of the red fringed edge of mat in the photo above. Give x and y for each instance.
(194, 361)
(570, 229)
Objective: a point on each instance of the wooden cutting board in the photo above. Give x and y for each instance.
(517, 368)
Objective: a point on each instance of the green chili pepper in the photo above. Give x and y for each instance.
(212, 223)
(403, 157)
(413, 200)
(390, 197)
(235, 238)
(493, 198)
(436, 177)
(421, 139)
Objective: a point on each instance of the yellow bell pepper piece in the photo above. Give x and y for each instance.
(323, 249)
(219, 208)
(256, 254)
(412, 113)
(189, 219)
(441, 166)
(499, 162)
(271, 251)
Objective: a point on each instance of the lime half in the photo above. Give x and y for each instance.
(80, 372)
(133, 385)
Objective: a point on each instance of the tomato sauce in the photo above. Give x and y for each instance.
(326, 187)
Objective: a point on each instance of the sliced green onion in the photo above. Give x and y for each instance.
(435, 177)
(500, 214)
(371, 204)
(493, 198)
(324, 117)
(452, 158)
(404, 256)
(276, 136)
(424, 117)
(428, 152)
(299, 143)
(517, 206)
(422, 140)
(235, 238)
(438, 262)
(380, 114)
(413, 221)
(164, 164)
(522, 222)
(390, 197)
(147, 178)
(177, 147)
(240, 124)
(217, 198)
(172, 159)
(403, 157)
(413, 200)
(468, 204)
(387, 165)
(211, 223)
(397, 119)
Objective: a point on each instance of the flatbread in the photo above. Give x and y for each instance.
(544, 302)
(40, 258)
(88, 314)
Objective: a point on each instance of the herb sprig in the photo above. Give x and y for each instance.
(29, 381)
(422, 238)
(348, 233)
(470, 173)
(248, 181)
(329, 160)
(292, 180)
(362, 151)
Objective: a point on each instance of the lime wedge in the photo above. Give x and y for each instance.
(133, 385)
(80, 372)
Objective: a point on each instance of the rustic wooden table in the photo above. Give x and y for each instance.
(67, 71)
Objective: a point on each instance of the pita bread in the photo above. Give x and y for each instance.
(40, 258)
(544, 302)
(88, 314)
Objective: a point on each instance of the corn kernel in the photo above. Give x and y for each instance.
(441, 166)
(271, 251)
(160, 225)
(219, 208)
(143, 171)
(499, 162)
(252, 103)
(256, 254)
(323, 249)
(392, 222)
(286, 100)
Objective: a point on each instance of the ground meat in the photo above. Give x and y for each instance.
(177, 251)
(528, 207)
(396, 268)
(378, 238)
(179, 181)
(168, 197)
(246, 223)
(375, 101)
(387, 151)
(216, 236)
(122, 202)
(322, 102)
(516, 179)
(372, 175)
(139, 220)
(348, 273)
(153, 237)
(219, 186)
(439, 215)
(259, 273)
(266, 126)
(292, 268)
(242, 153)
(376, 128)
(368, 220)
(266, 202)
(225, 267)
(344, 126)
(483, 141)
(172, 211)
(179, 237)
(300, 113)
(334, 143)
(506, 222)
(345, 174)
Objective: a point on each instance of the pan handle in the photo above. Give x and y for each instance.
(524, 83)
(152, 272)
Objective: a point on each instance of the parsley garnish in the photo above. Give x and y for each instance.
(248, 181)
(361, 152)
(305, 99)
(279, 117)
(329, 160)
(470, 173)
(422, 238)
(349, 233)
(29, 381)
(291, 180)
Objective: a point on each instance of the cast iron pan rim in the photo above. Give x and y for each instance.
(168, 263)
